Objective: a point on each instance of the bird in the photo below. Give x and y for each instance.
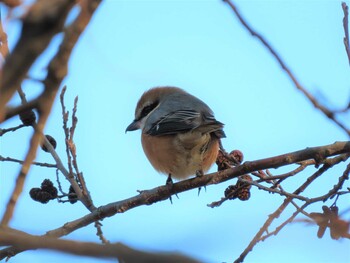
(179, 133)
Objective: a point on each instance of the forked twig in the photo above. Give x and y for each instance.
(327, 112)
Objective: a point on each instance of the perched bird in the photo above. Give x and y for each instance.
(180, 135)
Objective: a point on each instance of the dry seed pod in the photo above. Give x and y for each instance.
(52, 142)
(27, 117)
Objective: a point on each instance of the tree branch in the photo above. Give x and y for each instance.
(346, 29)
(44, 20)
(161, 193)
(116, 250)
(9, 159)
(283, 206)
(328, 113)
(33, 31)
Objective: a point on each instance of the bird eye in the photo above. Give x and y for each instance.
(147, 109)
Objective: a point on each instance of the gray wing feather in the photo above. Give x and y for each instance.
(179, 121)
(184, 121)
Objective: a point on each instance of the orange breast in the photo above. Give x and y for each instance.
(170, 155)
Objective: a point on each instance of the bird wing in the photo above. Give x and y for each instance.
(184, 121)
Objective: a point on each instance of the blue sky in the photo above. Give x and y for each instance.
(131, 46)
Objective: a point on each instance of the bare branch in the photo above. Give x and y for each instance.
(11, 112)
(116, 250)
(33, 27)
(330, 114)
(42, 22)
(346, 29)
(285, 203)
(3, 131)
(9, 159)
(164, 192)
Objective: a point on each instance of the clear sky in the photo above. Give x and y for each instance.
(131, 46)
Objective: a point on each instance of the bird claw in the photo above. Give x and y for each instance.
(169, 181)
(199, 173)
(200, 188)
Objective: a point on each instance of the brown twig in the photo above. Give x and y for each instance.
(3, 131)
(265, 188)
(77, 177)
(43, 20)
(346, 29)
(65, 115)
(100, 234)
(328, 113)
(323, 198)
(332, 192)
(14, 71)
(30, 156)
(36, 34)
(11, 112)
(275, 180)
(9, 159)
(328, 164)
(72, 158)
(57, 68)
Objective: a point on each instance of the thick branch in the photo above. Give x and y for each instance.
(57, 70)
(160, 193)
(164, 192)
(44, 20)
(116, 250)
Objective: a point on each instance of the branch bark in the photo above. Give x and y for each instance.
(39, 26)
(161, 193)
(117, 250)
(44, 20)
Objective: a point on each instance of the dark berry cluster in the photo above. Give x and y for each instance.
(240, 190)
(45, 193)
(225, 160)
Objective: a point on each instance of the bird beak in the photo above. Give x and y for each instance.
(135, 125)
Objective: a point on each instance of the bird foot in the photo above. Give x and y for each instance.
(199, 173)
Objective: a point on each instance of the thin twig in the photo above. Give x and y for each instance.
(276, 191)
(99, 233)
(9, 159)
(14, 111)
(65, 115)
(72, 157)
(3, 131)
(74, 178)
(328, 164)
(59, 183)
(346, 29)
(330, 114)
(323, 198)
